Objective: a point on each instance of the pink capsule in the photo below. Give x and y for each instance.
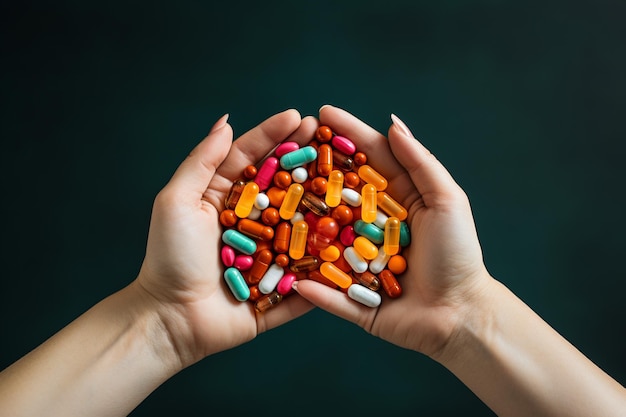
(265, 176)
(243, 262)
(284, 285)
(347, 235)
(228, 255)
(285, 148)
(344, 145)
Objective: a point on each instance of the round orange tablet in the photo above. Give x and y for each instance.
(397, 264)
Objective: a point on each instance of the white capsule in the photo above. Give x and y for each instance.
(299, 175)
(297, 216)
(364, 295)
(351, 197)
(355, 260)
(381, 219)
(262, 201)
(379, 262)
(270, 280)
(255, 214)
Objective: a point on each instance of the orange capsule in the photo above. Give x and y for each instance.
(255, 229)
(228, 218)
(369, 280)
(360, 158)
(324, 160)
(291, 201)
(390, 206)
(312, 166)
(351, 179)
(282, 179)
(342, 214)
(323, 134)
(282, 237)
(318, 186)
(263, 244)
(390, 284)
(262, 261)
(282, 260)
(276, 196)
(250, 172)
(318, 277)
(397, 264)
(297, 244)
(270, 216)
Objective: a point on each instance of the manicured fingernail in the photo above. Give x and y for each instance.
(294, 285)
(400, 125)
(220, 123)
(325, 105)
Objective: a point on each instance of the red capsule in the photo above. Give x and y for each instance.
(282, 237)
(390, 284)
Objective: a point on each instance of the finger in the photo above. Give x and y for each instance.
(197, 170)
(432, 179)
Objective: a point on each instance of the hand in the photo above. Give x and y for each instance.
(182, 269)
(445, 268)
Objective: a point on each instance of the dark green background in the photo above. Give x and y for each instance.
(523, 101)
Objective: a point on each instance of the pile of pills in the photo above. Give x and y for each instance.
(316, 212)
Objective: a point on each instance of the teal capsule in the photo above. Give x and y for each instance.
(237, 284)
(239, 241)
(405, 234)
(374, 233)
(298, 157)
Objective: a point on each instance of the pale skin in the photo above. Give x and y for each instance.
(179, 310)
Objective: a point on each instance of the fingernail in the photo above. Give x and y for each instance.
(294, 285)
(325, 105)
(401, 126)
(221, 122)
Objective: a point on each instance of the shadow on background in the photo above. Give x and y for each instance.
(523, 102)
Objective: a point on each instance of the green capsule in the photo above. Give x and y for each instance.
(298, 157)
(374, 233)
(237, 284)
(239, 241)
(405, 234)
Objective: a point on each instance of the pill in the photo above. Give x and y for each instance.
(239, 241)
(330, 253)
(282, 236)
(323, 134)
(298, 158)
(255, 214)
(318, 277)
(246, 200)
(259, 267)
(342, 161)
(243, 262)
(270, 216)
(228, 218)
(370, 231)
(299, 175)
(390, 284)
(311, 219)
(368, 203)
(324, 160)
(228, 255)
(336, 275)
(291, 201)
(266, 173)
(333, 188)
(318, 186)
(327, 227)
(304, 264)
(297, 216)
(347, 235)
(397, 264)
(285, 148)
(381, 219)
(371, 176)
(282, 260)
(297, 244)
(270, 279)
(392, 236)
(390, 206)
(233, 194)
(267, 301)
(312, 166)
(350, 196)
(276, 196)
(285, 283)
(250, 172)
(369, 280)
(255, 294)
(236, 283)
(360, 158)
(262, 201)
(405, 235)
(364, 295)
(343, 144)
(282, 179)
(255, 229)
(343, 214)
(365, 248)
(380, 261)
(315, 204)
(351, 180)
(355, 260)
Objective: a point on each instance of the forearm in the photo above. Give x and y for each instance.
(102, 364)
(519, 366)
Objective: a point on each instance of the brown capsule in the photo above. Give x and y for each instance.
(282, 179)
(228, 218)
(390, 284)
(315, 204)
(318, 186)
(305, 264)
(262, 261)
(342, 161)
(351, 179)
(323, 134)
(270, 216)
(250, 172)
(255, 229)
(268, 301)
(342, 214)
(282, 260)
(368, 280)
(282, 237)
(360, 158)
(233, 195)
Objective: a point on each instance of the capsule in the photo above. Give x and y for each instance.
(298, 158)
(324, 160)
(355, 260)
(330, 253)
(336, 275)
(282, 236)
(380, 261)
(243, 262)
(350, 196)
(246, 200)
(342, 161)
(233, 195)
(405, 234)
(344, 145)
(285, 148)
(315, 204)
(262, 262)
(297, 245)
(381, 219)
(370, 231)
(290, 203)
(228, 255)
(333, 188)
(390, 284)
(390, 206)
(270, 279)
(266, 173)
(285, 283)
(255, 229)
(368, 205)
(305, 264)
(267, 301)
(392, 236)
(239, 241)
(371, 176)
(365, 248)
(364, 295)
(237, 284)
(369, 280)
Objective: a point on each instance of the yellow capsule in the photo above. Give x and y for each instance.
(371, 176)
(331, 253)
(333, 188)
(390, 206)
(336, 275)
(297, 244)
(391, 242)
(247, 199)
(290, 202)
(365, 248)
(368, 203)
